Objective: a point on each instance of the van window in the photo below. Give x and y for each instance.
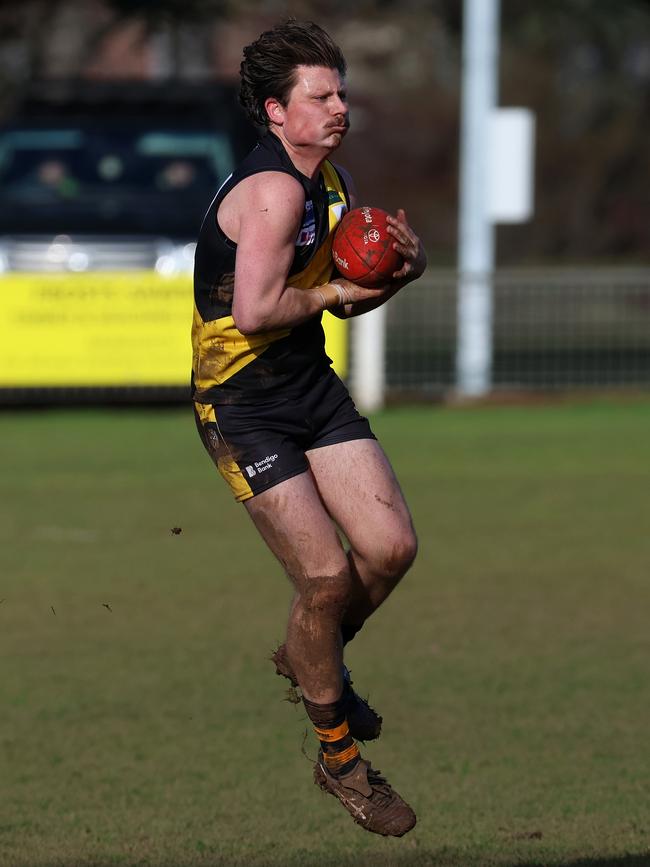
(118, 179)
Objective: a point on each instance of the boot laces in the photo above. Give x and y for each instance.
(379, 784)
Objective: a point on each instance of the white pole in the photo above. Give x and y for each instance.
(369, 356)
(476, 231)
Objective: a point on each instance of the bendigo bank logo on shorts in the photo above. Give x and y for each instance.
(261, 466)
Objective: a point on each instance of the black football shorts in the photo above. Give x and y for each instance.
(256, 446)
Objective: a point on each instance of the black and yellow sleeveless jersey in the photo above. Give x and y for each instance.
(230, 367)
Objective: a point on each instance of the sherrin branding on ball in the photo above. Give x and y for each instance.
(362, 248)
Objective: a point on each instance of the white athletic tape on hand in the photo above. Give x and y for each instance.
(342, 295)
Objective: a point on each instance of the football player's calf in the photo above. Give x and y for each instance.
(364, 721)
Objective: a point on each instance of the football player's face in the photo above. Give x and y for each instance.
(316, 113)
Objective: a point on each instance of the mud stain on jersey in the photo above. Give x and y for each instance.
(222, 292)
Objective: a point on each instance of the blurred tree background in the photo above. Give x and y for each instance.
(583, 67)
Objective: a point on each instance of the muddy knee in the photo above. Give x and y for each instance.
(326, 594)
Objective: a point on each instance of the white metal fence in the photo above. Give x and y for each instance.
(552, 329)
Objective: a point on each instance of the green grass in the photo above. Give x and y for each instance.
(511, 666)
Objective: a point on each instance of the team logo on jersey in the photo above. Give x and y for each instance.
(307, 233)
(336, 203)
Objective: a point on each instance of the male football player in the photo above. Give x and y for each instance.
(276, 420)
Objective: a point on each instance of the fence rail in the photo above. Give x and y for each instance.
(552, 329)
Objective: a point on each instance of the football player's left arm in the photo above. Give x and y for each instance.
(409, 246)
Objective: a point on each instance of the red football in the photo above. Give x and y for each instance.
(363, 249)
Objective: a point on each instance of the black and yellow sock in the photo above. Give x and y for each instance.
(340, 752)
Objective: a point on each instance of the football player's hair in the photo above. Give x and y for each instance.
(269, 64)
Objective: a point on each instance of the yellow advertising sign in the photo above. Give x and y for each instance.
(105, 329)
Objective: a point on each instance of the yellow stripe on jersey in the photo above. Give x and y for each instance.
(321, 267)
(219, 349)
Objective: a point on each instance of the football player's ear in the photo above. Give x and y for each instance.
(275, 110)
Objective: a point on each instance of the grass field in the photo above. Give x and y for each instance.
(142, 724)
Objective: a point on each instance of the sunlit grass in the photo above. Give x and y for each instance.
(142, 722)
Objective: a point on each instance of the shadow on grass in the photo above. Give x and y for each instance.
(620, 861)
(615, 861)
(412, 858)
(449, 858)
(446, 858)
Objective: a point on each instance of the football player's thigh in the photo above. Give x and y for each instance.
(291, 519)
(360, 491)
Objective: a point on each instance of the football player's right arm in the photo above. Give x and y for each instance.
(269, 212)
